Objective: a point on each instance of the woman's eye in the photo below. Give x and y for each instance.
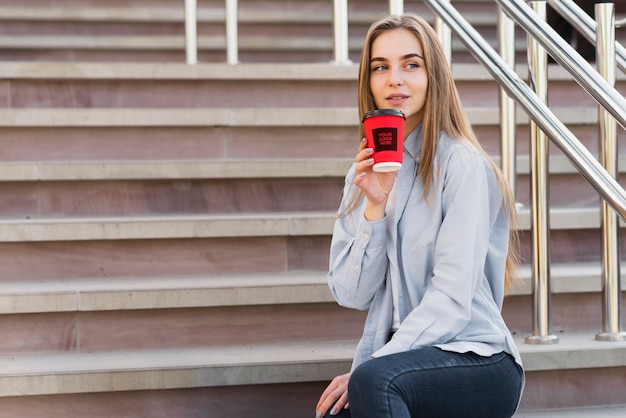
(413, 65)
(379, 68)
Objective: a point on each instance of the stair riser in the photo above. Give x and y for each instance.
(574, 388)
(33, 261)
(557, 389)
(55, 199)
(170, 328)
(294, 400)
(168, 143)
(180, 94)
(227, 93)
(178, 55)
(245, 325)
(137, 198)
(161, 258)
(571, 246)
(568, 312)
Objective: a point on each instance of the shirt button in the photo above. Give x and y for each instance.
(366, 236)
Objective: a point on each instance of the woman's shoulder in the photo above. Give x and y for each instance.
(454, 149)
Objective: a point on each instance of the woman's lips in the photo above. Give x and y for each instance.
(397, 99)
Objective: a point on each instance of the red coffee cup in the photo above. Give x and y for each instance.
(384, 131)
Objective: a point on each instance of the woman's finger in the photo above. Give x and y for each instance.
(335, 395)
(342, 403)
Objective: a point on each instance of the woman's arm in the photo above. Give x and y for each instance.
(358, 255)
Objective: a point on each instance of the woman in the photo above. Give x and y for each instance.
(426, 250)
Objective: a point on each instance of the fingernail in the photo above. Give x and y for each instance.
(363, 140)
(333, 411)
(318, 415)
(370, 160)
(369, 150)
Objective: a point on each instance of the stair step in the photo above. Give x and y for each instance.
(224, 225)
(173, 170)
(102, 170)
(164, 292)
(84, 295)
(54, 85)
(204, 42)
(609, 411)
(245, 15)
(26, 70)
(168, 369)
(45, 374)
(169, 227)
(238, 117)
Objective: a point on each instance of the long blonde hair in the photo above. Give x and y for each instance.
(441, 95)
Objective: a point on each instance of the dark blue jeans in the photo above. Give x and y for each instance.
(434, 383)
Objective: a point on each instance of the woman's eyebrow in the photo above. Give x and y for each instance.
(404, 57)
(412, 55)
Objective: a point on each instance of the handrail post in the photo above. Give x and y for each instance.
(611, 286)
(540, 210)
(340, 27)
(508, 121)
(396, 7)
(191, 33)
(232, 41)
(445, 35)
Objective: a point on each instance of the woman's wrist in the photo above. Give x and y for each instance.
(374, 212)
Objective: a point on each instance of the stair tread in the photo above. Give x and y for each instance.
(225, 290)
(232, 117)
(168, 369)
(78, 170)
(246, 14)
(208, 42)
(262, 71)
(169, 227)
(164, 292)
(608, 411)
(256, 364)
(155, 169)
(225, 225)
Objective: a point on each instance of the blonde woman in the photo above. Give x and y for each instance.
(428, 250)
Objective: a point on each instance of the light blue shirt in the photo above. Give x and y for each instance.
(445, 255)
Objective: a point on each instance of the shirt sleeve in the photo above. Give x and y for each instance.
(460, 253)
(358, 256)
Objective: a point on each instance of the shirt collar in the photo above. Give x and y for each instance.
(413, 143)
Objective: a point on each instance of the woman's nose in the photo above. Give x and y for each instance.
(395, 77)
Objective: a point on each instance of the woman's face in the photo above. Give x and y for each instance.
(398, 78)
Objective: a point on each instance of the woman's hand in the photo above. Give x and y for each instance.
(335, 397)
(375, 185)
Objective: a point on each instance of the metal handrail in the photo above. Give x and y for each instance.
(582, 159)
(563, 53)
(582, 22)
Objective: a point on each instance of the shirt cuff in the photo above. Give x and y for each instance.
(376, 234)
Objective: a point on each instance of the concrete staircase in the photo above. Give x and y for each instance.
(165, 228)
